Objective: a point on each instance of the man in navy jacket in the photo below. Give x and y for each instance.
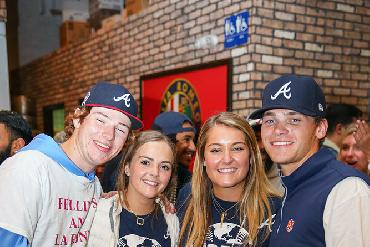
(326, 203)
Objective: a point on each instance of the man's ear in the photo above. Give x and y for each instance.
(76, 121)
(339, 128)
(17, 144)
(321, 129)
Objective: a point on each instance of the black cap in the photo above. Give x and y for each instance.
(170, 123)
(116, 97)
(297, 93)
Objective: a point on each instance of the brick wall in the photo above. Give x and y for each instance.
(325, 39)
(2, 10)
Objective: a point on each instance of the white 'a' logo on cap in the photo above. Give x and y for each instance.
(85, 99)
(125, 97)
(283, 90)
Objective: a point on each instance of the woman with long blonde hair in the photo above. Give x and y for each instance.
(231, 199)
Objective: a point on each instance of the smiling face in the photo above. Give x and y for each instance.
(185, 147)
(226, 157)
(352, 155)
(149, 171)
(290, 138)
(99, 137)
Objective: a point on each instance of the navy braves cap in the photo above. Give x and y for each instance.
(170, 123)
(297, 93)
(116, 97)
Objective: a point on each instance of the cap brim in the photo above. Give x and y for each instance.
(136, 123)
(259, 113)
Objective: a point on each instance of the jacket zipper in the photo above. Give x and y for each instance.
(282, 207)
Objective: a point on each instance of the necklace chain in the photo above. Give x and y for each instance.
(139, 220)
(221, 210)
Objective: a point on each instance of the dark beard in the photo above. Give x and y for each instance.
(5, 154)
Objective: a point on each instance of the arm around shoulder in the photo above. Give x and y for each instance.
(105, 226)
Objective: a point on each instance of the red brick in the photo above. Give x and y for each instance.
(283, 52)
(314, 29)
(303, 71)
(293, 61)
(263, 67)
(293, 26)
(331, 82)
(349, 100)
(349, 83)
(342, 91)
(352, 17)
(304, 54)
(281, 69)
(323, 57)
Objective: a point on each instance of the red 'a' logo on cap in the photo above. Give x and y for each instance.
(289, 226)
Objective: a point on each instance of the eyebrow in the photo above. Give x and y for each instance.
(220, 144)
(151, 159)
(290, 113)
(106, 116)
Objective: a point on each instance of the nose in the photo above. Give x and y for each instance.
(108, 132)
(227, 156)
(154, 171)
(280, 128)
(192, 146)
(350, 152)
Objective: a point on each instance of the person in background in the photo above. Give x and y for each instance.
(352, 154)
(339, 117)
(230, 198)
(362, 136)
(15, 133)
(326, 203)
(49, 192)
(180, 129)
(136, 214)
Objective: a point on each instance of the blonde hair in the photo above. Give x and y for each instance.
(142, 138)
(254, 204)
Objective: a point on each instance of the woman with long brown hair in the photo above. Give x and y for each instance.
(136, 215)
(231, 199)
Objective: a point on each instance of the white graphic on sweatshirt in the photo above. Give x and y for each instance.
(283, 90)
(225, 234)
(133, 240)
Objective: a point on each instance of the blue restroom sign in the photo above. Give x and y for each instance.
(236, 29)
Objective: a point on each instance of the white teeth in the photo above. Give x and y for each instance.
(281, 143)
(102, 145)
(150, 182)
(226, 170)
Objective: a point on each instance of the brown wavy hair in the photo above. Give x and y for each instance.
(80, 113)
(254, 203)
(142, 138)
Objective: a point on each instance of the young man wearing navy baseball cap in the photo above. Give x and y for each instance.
(49, 192)
(180, 129)
(325, 202)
